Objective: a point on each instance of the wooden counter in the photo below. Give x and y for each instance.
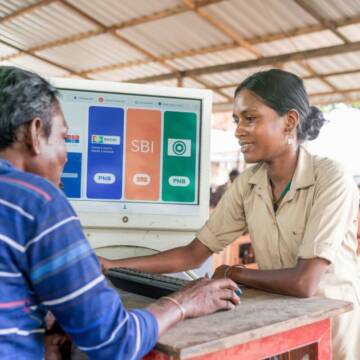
(263, 325)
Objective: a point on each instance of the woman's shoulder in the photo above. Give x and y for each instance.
(327, 166)
(327, 170)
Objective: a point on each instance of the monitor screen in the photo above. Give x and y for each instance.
(134, 152)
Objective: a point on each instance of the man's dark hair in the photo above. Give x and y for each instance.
(23, 97)
(234, 173)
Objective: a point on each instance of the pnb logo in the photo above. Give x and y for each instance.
(179, 147)
(72, 139)
(105, 139)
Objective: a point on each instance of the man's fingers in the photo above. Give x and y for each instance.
(226, 283)
(231, 296)
(226, 305)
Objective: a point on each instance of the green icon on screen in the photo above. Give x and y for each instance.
(179, 147)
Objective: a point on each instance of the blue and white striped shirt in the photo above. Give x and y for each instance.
(47, 264)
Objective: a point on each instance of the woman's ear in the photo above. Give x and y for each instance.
(292, 121)
(34, 135)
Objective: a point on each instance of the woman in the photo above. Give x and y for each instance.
(299, 209)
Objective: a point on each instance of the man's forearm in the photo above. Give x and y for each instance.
(166, 313)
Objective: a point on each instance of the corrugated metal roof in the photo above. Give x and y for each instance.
(231, 77)
(180, 35)
(8, 7)
(343, 82)
(352, 32)
(42, 25)
(324, 99)
(38, 66)
(214, 58)
(123, 10)
(260, 17)
(335, 9)
(230, 91)
(6, 50)
(299, 43)
(316, 86)
(93, 52)
(166, 30)
(131, 72)
(335, 63)
(296, 68)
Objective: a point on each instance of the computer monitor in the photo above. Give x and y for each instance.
(138, 160)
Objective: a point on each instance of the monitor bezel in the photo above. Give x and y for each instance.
(151, 221)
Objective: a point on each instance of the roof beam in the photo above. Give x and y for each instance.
(308, 77)
(268, 60)
(25, 10)
(323, 21)
(177, 10)
(222, 27)
(137, 47)
(25, 52)
(227, 30)
(171, 56)
(337, 73)
(345, 91)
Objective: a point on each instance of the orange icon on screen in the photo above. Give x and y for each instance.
(142, 154)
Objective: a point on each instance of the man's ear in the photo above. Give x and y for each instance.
(34, 135)
(292, 121)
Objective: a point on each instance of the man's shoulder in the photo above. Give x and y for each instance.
(29, 186)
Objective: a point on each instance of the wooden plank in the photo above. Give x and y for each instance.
(259, 315)
(317, 333)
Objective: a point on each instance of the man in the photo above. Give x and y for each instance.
(220, 190)
(45, 261)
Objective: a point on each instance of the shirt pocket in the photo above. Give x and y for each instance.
(296, 237)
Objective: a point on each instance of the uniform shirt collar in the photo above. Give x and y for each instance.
(303, 177)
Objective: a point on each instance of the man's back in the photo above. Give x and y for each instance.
(46, 263)
(21, 315)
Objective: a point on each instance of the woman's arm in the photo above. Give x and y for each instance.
(174, 260)
(300, 281)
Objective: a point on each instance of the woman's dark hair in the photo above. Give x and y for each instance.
(284, 91)
(23, 97)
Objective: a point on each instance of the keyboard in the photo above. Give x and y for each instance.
(143, 283)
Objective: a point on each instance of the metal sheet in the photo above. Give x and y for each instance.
(94, 52)
(177, 33)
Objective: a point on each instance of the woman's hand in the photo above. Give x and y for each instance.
(221, 272)
(106, 264)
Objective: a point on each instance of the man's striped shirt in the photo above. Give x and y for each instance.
(47, 264)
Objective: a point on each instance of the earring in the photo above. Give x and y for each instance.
(290, 140)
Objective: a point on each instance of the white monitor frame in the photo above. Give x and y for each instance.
(124, 220)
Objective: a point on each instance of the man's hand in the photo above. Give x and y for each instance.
(205, 296)
(53, 345)
(200, 297)
(54, 338)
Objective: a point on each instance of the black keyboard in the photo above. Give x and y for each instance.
(143, 283)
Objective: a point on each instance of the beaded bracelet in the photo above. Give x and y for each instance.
(177, 304)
